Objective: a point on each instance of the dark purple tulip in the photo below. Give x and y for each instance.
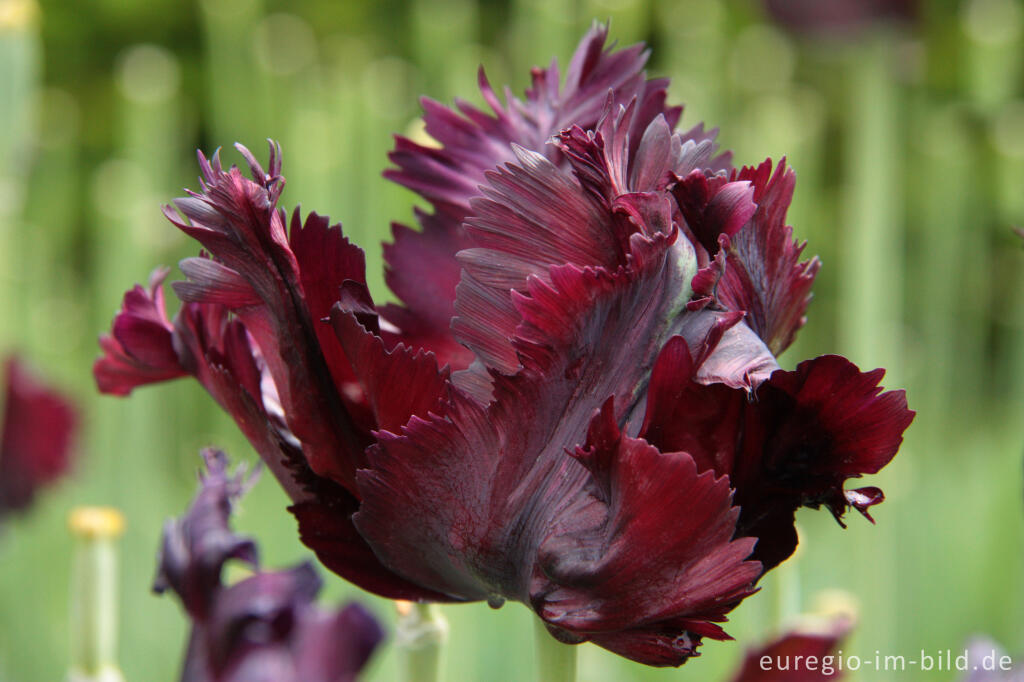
(36, 437)
(264, 628)
(577, 405)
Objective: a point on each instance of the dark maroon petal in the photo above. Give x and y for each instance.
(36, 436)
(422, 267)
(325, 526)
(608, 163)
(534, 216)
(764, 275)
(795, 444)
(864, 425)
(140, 349)
(473, 141)
(217, 349)
(713, 206)
(425, 508)
(590, 576)
(258, 276)
(463, 503)
(797, 656)
(423, 273)
(727, 350)
(398, 383)
(195, 547)
(863, 499)
(219, 353)
(659, 644)
(582, 332)
(329, 264)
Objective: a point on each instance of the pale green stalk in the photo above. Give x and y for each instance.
(556, 662)
(693, 53)
(1008, 145)
(871, 262)
(952, 237)
(871, 253)
(236, 93)
(420, 637)
(131, 442)
(788, 593)
(994, 31)
(445, 72)
(94, 595)
(19, 75)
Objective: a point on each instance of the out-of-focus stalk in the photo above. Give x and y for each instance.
(693, 37)
(540, 28)
(871, 265)
(50, 225)
(129, 236)
(237, 94)
(1007, 141)
(420, 637)
(556, 662)
(788, 592)
(19, 59)
(19, 75)
(871, 255)
(457, 20)
(94, 602)
(953, 238)
(994, 30)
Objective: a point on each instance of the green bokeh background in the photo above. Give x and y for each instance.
(909, 152)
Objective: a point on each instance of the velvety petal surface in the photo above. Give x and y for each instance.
(422, 269)
(256, 274)
(483, 502)
(793, 443)
(140, 348)
(764, 276)
(534, 215)
(591, 580)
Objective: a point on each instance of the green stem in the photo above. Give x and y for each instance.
(871, 270)
(94, 581)
(556, 662)
(420, 637)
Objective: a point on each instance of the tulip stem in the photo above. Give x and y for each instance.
(94, 582)
(420, 637)
(556, 662)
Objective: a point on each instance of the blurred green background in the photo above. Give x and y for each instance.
(909, 151)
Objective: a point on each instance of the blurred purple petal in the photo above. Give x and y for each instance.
(265, 627)
(36, 436)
